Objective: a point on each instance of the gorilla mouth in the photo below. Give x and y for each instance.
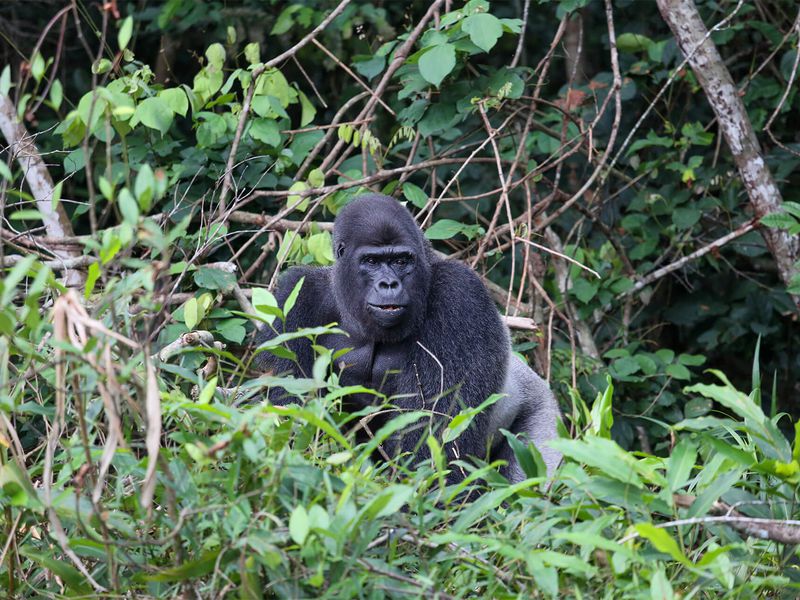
(390, 308)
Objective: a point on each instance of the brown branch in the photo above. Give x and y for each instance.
(674, 266)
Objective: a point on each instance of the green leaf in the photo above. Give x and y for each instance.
(484, 30)
(216, 55)
(680, 464)
(61, 569)
(154, 113)
(191, 569)
(415, 195)
(779, 220)
(5, 80)
(144, 187)
(267, 131)
(316, 178)
(26, 215)
(176, 100)
(308, 110)
(125, 32)
(298, 524)
(5, 172)
(320, 245)
(388, 502)
(252, 53)
(37, 67)
(685, 217)
(444, 229)
(660, 587)
(678, 371)
(633, 42)
(56, 93)
(265, 305)
(437, 63)
(292, 297)
(584, 290)
(602, 454)
(663, 542)
(128, 207)
(214, 279)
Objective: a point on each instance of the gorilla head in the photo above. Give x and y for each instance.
(382, 270)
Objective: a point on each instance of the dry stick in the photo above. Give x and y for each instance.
(721, 93)
(559, 254)
(783, 531)
(521, 40)
(350, 72)
(503, 201)
(716, 244)
(399, 58)
(228, 178)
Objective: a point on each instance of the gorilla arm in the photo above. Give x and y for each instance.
(314, 307)
(528, 408)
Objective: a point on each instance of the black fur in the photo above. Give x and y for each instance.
(449, 349)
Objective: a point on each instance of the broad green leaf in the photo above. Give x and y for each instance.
(662, 541)
(61, 569)
(633, 42)
(415, 195)
(128, 207)
(267, 131)
(660, 587)
(388, 502)
(444, 229)
(192, 569)
(56, 93)
(125, 32)
(308, 110)
(680, 464)
(154, 113)
(437, 63)
(604, 455)
(252, 53)
(293, 295)
(265, 305)
(176, 100)
(484, 30)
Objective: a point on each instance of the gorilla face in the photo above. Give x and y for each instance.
(382, 270)
(386, 273)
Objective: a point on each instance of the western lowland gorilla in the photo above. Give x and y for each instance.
(421, 330)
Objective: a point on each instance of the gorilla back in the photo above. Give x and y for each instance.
(422, 330)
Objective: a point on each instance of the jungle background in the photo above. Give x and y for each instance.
(623, 175)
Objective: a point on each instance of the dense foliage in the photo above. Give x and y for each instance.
(563, 149)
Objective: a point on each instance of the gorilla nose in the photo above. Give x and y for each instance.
(388, 285)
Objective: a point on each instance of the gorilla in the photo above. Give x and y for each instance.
(421, 330)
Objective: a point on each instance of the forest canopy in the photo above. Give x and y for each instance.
(623, 176)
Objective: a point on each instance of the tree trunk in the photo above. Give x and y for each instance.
(765, 197)
(22, 147)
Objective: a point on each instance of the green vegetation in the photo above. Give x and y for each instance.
(187, 152)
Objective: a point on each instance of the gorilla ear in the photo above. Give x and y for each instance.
(340, 250)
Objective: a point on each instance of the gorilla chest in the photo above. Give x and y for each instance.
(372, 365)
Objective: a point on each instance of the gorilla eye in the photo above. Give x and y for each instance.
(371, 260)
(401, 261)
